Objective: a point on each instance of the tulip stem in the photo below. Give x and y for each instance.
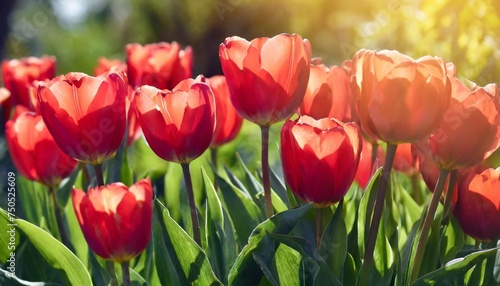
(57, 212)
(264, 130)
(99, 174)
(125, 274)
(429, 217)
(319, 227)
(379, 204)
(448, 201)
(192, 204)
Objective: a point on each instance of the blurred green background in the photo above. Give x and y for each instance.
(78, 32)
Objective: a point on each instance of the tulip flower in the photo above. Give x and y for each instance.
(367, 164)
(478, 205)
(399, 100)
(267, 77)
(18, 74)
(320, 158)
(115, 219)
(37, 156)
(228, 121)
(267, 80)
(179, 126)
(470, 130)
(5, 103)
(161, 65)
(34, 152)
(404, 161)
(85, 115)
(105, 65)
(327, 94)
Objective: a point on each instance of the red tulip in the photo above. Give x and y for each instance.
(320, 158)
(134, 126)
(19, 73)
(404, 161)
(5, 103)
(85, 114)
(105, 65)
(116, 220)
(478, 206)
(327, 94)
(34, 152)
(161, 65)
(178, 124)
(399, 99)
(365, 168)
(228, 121)
(470, 130)
(267, 77)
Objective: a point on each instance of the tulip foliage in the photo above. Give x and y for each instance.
(379, 170)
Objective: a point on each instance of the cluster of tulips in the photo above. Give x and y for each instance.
(336, 119)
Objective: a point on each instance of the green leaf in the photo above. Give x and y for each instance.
(187, 259)
(279, 187)
(316, 269)
(333, 247)
(452, 240)
(455, 267)
(261, 247)
(54, 252)
(366, 209)
(383, 258)
(244, 213)
(221, 245)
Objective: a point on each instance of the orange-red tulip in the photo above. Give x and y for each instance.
(161, 65)
(327, 94)
(478, 206)
(470, 130)
(228, 122)
(116, 220)
(404, 161)
(267, 77)
(399, 99)
(105, 65)
(365, 167)
(34, 152)
(19, 73)
(179, 124)
(320, 158)
(86, 115)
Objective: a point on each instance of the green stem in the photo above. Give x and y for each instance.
(110, 267)
(99, 174)
(192, 204)
(264, 130)
(319, 227)
(379, 204)
(126, 274)
(429, 217)
(57, 212)
(448, 201)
